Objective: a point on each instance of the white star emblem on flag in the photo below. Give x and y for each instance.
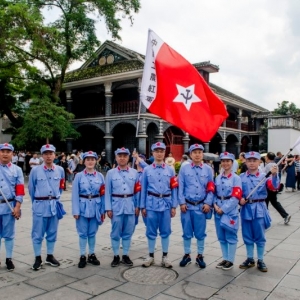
(186, 95)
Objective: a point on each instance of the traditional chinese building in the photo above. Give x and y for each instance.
(104, 96)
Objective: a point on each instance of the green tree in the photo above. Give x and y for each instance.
(286, 108)
(35, 51)
(69, 37)
(44, 120)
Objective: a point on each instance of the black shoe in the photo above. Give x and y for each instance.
(248, 263)
(9, 264)
(50, 260)
(227, 266)
(200, 262)
(82, 262)
(186, 260)
(261, 266)
(221, 264)
(116, 261)
(92, 259)
(38, 263)
(126, 261)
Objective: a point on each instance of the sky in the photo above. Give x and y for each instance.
(255, 43)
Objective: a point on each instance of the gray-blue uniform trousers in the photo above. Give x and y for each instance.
(254, 214)
(88, 204)
(45, 183)
(158, 198)
(122, 199)
(12, 186)
(197, 187)
(227, 195)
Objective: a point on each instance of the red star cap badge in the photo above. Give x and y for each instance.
(225, 153)
(158, 144)
(90, 152)
(232, 222)
(47, 146)
(252, 153)
(5, 144)
(122, 148)
(196, 145)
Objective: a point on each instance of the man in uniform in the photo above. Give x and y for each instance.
(46, 183)
(254, 213)
(122, 196)
(12, 187)
(195, 196)
(158, 203)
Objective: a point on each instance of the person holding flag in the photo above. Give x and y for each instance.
(12, 192)
(226, 206)
(195, 197)
(255, 216)
(158, 203)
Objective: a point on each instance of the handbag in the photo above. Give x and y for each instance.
(267, 220)
(229, 223)
(60, 212)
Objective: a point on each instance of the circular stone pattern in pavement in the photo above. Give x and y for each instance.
(151, 275)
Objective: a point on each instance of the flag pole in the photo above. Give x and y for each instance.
(269, 173)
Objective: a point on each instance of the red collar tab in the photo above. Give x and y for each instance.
(193, 165)
(229, 175)
(119, 169)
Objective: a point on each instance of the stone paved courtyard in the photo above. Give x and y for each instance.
(282, 281)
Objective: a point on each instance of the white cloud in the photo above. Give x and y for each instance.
(255, 43)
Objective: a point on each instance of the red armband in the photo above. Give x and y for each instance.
(237, 192)
(173, 182)
(137, 187)
(270, 186)
(102, 190)
(210, 187)
(20, 191)
(62, 184)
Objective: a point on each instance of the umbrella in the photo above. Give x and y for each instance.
(211, 156)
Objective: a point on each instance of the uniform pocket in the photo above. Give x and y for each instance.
(82, 206)
(38, 208)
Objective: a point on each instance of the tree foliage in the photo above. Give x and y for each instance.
(44, 120)
(37, 51)
(286, 108)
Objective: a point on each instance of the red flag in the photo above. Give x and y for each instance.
(174, 90)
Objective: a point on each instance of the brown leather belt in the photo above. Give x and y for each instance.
(9, 200)
(89, 196)
(194, 202)
(224, 198)
(255, 200)
(45, 198)
(159, 195)
(122, 196)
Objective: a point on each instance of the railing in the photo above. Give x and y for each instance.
(283, 122)
(124, 107)
(231, 124)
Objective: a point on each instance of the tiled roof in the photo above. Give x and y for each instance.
(118, 67)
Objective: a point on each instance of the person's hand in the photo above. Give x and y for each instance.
(243, 201)
(274, 170)
(144, 213)
(206, 208)
(183, 208)
(76, 217)
(102, 217)
(173, 212)
(137, 211)
(17, 212)
(109, 213)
